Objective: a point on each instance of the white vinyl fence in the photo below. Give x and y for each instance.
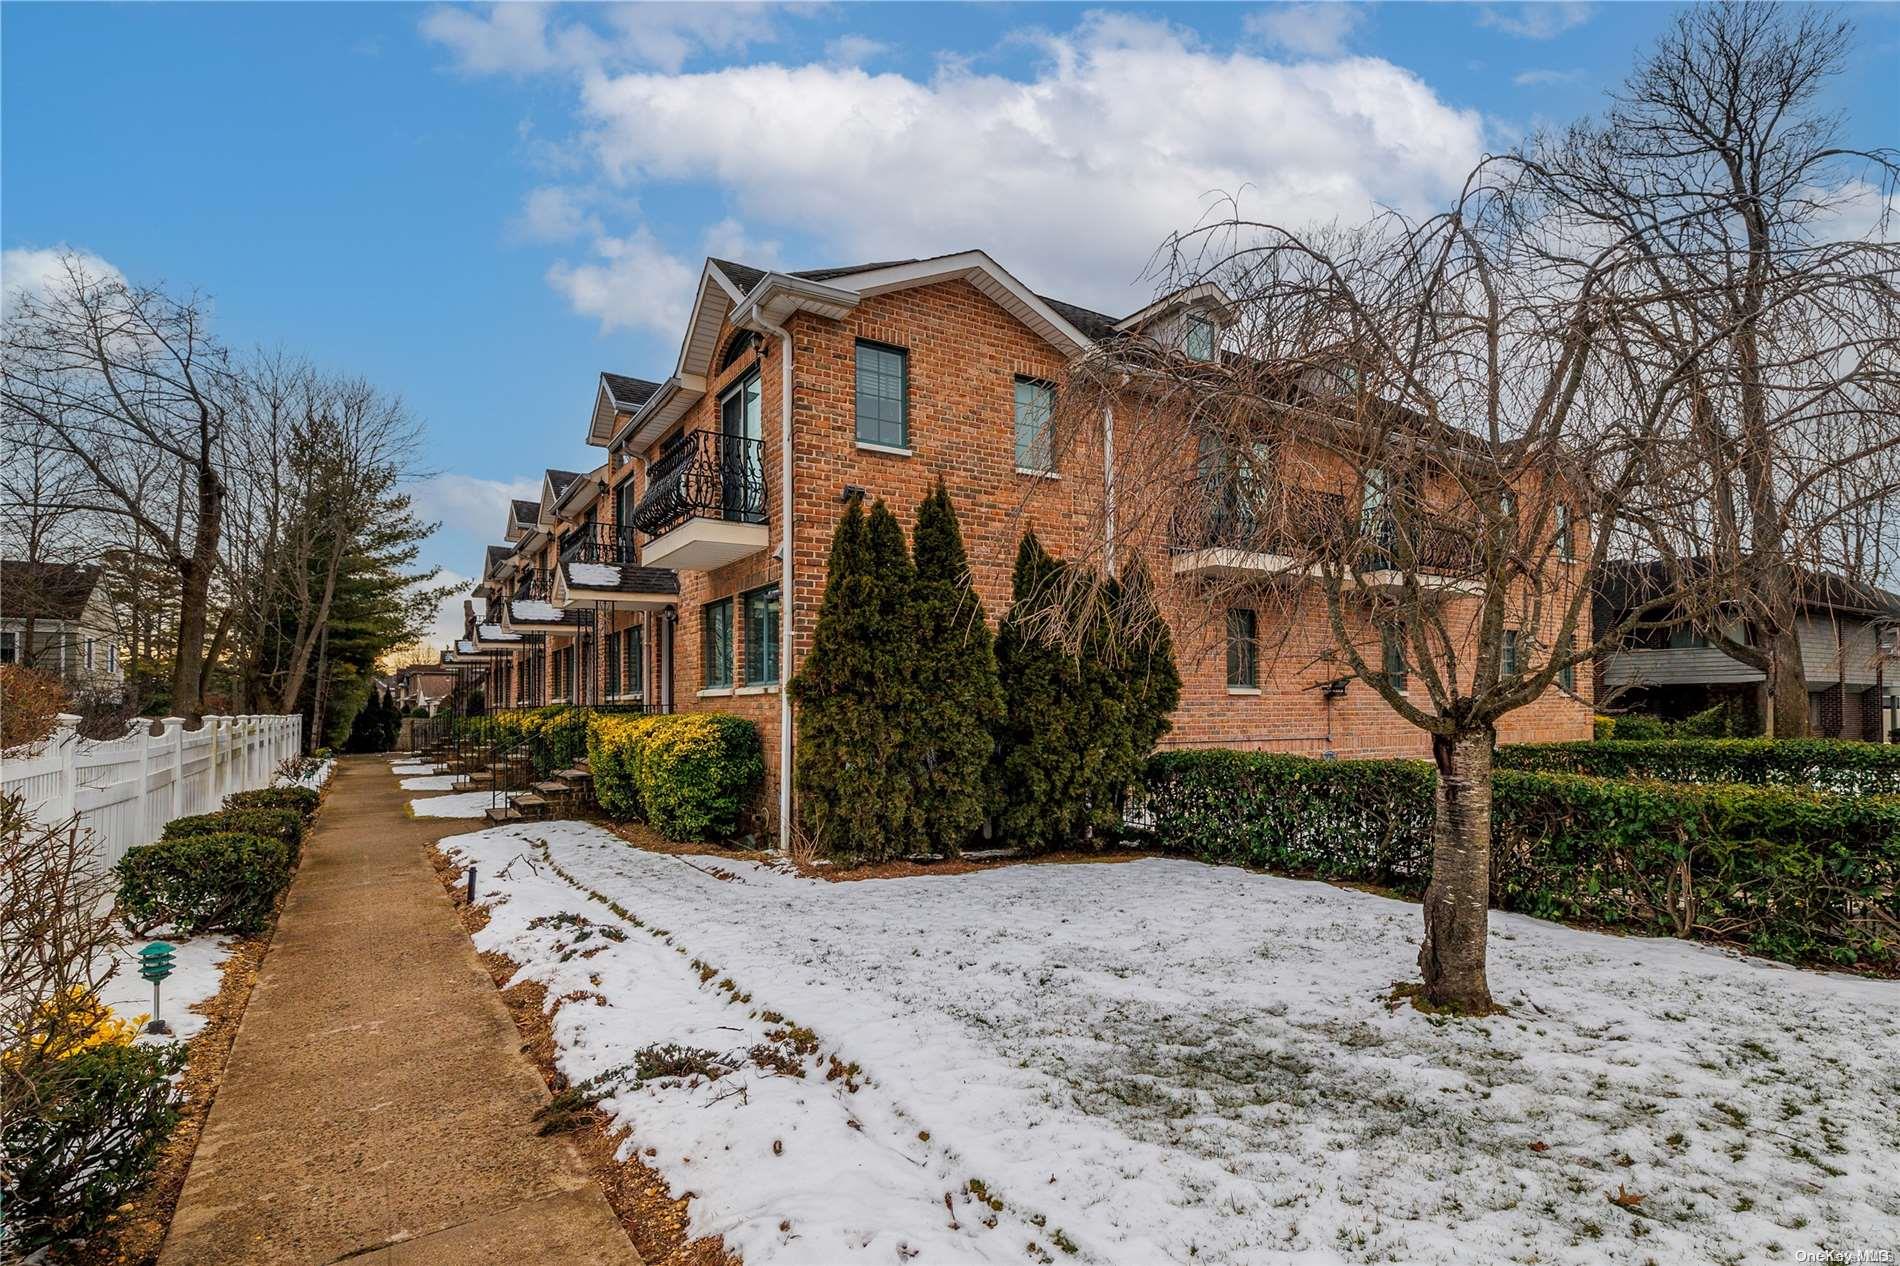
(127, 789)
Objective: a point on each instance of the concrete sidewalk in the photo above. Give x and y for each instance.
(377, 1106)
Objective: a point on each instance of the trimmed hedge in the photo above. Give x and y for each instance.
(302, 799)
(689, 775)
(1793, 874)
(557, 734)
(225, 882)
(1825, 764)
(285, 825)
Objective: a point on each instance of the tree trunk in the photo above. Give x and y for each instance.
(194, 593)
(1788, 715)
(1457, 901)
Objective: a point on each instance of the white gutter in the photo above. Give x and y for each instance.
(785, 620)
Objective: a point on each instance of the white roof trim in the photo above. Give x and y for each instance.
(779, 295)
(988, 276)
(1204, 295)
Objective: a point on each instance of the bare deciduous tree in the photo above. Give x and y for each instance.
(128, 383)
(1718, 160)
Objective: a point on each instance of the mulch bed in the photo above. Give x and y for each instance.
(654, 1219)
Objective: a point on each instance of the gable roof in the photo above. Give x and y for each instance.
(45, 591)
(618, 394)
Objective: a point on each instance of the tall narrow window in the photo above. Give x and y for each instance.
(1035, 426)
(1507, 654)
(1567, 675)
(716, 631)
(1243, 648)
(1393, 649)
(1197, 339)
(9, 648)
(761, 636)
(613, 664)
(883, 385)
(1565, 548)
(633, 662)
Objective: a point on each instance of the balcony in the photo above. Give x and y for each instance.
(1232, 535)
(601, 544)
(705, 503)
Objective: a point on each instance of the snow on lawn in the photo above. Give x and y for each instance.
(463, 804)
(431, 782)
(1177, 1062)
(197, 972)
(412, 769)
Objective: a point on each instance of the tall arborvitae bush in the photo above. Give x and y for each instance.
(955, 676)
(857, 698)
(1080, 725)
(1042, 745)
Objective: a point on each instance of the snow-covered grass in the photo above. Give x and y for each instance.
(412, 769)
(430, 782)
(197, 971)
(1165, 1061)
(463, 804)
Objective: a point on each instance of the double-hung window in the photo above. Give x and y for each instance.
(1567, 675)
(1243, 648)
(1507, 654)
(1035, 426)
(883, 388)
(716, 633)
(1566, 548)
(761, 636)
(1392, 646)
(613, 664)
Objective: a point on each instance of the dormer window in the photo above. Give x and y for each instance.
(1197, 338)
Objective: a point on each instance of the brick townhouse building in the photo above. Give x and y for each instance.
(668, 575)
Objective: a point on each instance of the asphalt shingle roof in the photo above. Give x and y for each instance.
(629, 393)
(45, 591)
(562, 480)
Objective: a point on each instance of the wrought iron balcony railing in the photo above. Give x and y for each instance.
(535, 584)
(1229, 514)
(609, 543)
(711, 476)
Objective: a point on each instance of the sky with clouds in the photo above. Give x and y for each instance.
(482, 207)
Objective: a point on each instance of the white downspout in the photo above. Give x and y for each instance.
(786, 623)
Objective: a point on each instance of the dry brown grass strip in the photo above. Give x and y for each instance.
(655, 1220)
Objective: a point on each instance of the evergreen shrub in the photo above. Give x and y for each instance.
(303, 799)
(224, 882)
(689, 775)
(285, 825)
(86, 1140)
(1825, 764)
(1790, 873)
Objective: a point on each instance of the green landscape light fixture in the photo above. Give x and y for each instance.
(155, 963)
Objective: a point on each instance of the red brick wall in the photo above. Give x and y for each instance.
(964, 356)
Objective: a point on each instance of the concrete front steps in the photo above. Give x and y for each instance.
(543, 797)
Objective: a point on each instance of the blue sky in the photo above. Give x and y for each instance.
(482, 208)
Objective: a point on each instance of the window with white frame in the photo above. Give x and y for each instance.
(1035, 426)
(1197, 337)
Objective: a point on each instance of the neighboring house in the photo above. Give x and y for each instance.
(55, 617)
(668, 577)
(424, 686)
(1850, 653)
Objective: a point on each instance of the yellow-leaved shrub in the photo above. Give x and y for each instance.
(689, 775)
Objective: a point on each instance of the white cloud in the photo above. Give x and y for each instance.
(448, 616)
(526, 38)
(31, 270)
(854, 50)
(1537, 21)
(634, 283)
(477, 507)
(1314, 30)
(555, 214)
(1072, 177)
(1539, 78)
